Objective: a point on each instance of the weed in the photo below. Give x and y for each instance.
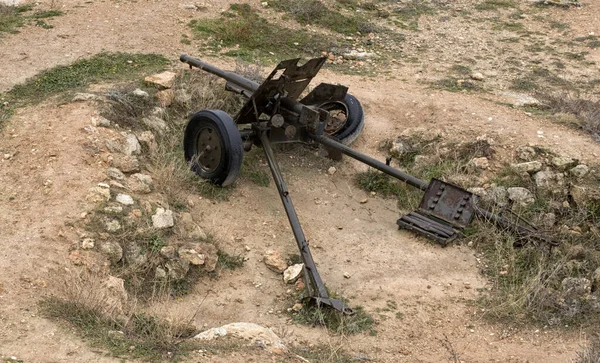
(45, 14)
(495, 5)
(12, 17)
(230, 262)
(251, 36)
(386, 186)
(101, 67)
(594, 44)
(586, 111)
(315, 12)
(452, 84)
(590, 352)
(559, 25)
(253, 169)
(334, 320)
(462, 70)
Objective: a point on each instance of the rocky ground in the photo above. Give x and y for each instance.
(76, 188)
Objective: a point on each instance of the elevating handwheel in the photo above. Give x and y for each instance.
(347, 119)
(213, 146)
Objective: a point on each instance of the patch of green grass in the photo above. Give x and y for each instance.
(43, 24)
(101, 67)
(386, 186)
(142, 336)
(513, 26)
(252, 37)
(594, 44)
(461, 69)
(314, 12)
(230, 262)
(45, 14)
(453, 84)
(495, 5)
(559, 25)
(254, 170)
(12, 17)
(334, 320)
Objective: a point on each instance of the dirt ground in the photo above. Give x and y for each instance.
(44, 184)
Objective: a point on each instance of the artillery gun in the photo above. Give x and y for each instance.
(214, 143)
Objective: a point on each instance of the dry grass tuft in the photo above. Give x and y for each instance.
(585, 111)
(591, 351)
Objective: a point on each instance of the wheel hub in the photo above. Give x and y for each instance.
(208, 153)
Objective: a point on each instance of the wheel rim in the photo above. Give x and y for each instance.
(338, 117)
(208, 149)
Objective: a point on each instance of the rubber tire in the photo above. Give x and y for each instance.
(231, 145)
(355, 120)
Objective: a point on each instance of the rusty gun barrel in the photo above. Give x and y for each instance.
(241, 84)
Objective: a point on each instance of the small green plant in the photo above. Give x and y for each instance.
(250, 36)
(254, 170)
(334, 320)
(452, 84)
(230, 262)
(12, 17)
(461, 69)
(495, 5)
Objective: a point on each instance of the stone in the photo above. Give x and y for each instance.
(133, 254)
(126, 163)
(98, 195)
(112, 250)
(165, 97)
(155, 123)
(116, 295)
(160, 273)
(132, 145)
(521, 100)
(596, 280)
(139, 93)
(477, 76)
(115, 174)
(274, 261)
(125, 199)
(331, 170)
(147, 140)
(210, 253)
(579, 194)
(579, 171)
(399, 147)
(563, 163)
(576, 286)
(191, 255)
(526, 153)
(497, 195)
(520, 196)
(161, 80)
(548, 220)
(87, 243)
(292, 273)
(163, 219)
(100, 121)
(548, 179)
(189, 228)
(178, 268)
(113, 209)
(112, 225)
(141, 183)
(182, 97)
(481, 163)
(168, 252)
(79, 97)
(258, 335)
(528, 167)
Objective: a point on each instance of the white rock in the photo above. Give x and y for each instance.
(520, 100)
(580, 171)
(125, 199)
(98, 194)
(139, 93)
(141, 183)
(261, 336)
(331, 170)
(100, 121)
(292, 273)
(526, 153)
(563, 163)
(132, 145)
(112, 225)
(115, 174)
(155, 123)
(162, 80)
(477, 76)
(84, 97)
(274, 261)
(163, 218)
(112, 250)
(520, 196)
(548, 179)
(529, 167)
(191, 255)
(481, 163)
(87, 243)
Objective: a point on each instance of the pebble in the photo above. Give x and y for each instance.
(346, 275)
(331, 170)
(125, 199)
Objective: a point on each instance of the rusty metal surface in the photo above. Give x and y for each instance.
(448, 202)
